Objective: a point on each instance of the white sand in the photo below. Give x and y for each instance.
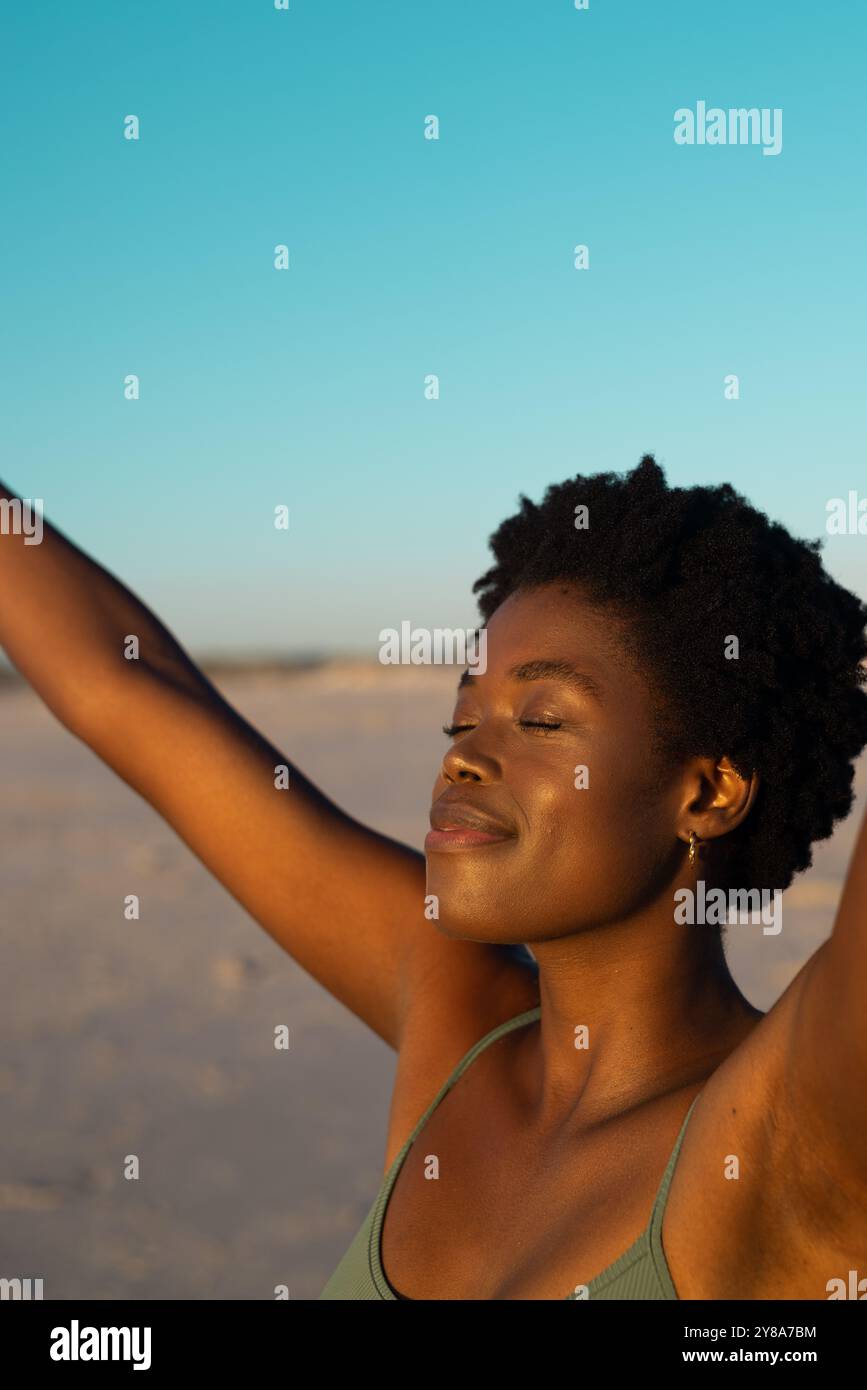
(155, 1038)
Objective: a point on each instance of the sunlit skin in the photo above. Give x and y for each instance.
(588, 876)
(550, 1154)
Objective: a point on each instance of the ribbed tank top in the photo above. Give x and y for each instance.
(641, 1272)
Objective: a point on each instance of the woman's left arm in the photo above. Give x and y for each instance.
(826, 1071)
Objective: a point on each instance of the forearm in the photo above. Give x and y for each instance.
(65, 621)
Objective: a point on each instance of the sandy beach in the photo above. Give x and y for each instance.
(155, 1037)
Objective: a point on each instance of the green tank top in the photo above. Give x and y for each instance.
(641, 1272)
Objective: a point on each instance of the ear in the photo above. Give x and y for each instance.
(719, 798)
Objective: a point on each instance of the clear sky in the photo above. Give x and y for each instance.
(411, 256)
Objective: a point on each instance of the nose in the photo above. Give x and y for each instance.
(465, 763)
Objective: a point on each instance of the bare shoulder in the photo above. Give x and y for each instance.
(756, 1209)
(457, 994)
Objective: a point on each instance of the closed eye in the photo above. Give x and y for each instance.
(451, 729)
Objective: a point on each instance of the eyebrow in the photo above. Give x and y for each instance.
(547, 669)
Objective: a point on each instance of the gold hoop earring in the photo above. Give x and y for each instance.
(693, 841)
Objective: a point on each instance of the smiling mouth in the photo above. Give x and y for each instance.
(464, 837)
(460, 825)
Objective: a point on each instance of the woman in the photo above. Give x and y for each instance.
(671, 701)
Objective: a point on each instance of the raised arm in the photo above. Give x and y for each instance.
(346, 902)
(804, 1081)
(829, 1041)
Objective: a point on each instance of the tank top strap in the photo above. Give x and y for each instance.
(376, 1219)
(528, 1016)
(654, 1227)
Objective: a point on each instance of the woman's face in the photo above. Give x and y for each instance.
(557, 857)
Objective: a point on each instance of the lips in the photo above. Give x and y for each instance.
(459, 825)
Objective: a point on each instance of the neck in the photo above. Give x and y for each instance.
(655, 1008)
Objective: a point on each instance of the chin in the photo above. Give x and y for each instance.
(493, 928)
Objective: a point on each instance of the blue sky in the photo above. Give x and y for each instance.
(408, 257)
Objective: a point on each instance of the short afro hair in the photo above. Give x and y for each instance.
(683, 569)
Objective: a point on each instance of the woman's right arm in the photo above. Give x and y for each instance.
(346, 902)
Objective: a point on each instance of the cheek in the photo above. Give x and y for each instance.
(584, 801)
(600, 838)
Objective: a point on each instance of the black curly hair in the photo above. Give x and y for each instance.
(683, 570)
